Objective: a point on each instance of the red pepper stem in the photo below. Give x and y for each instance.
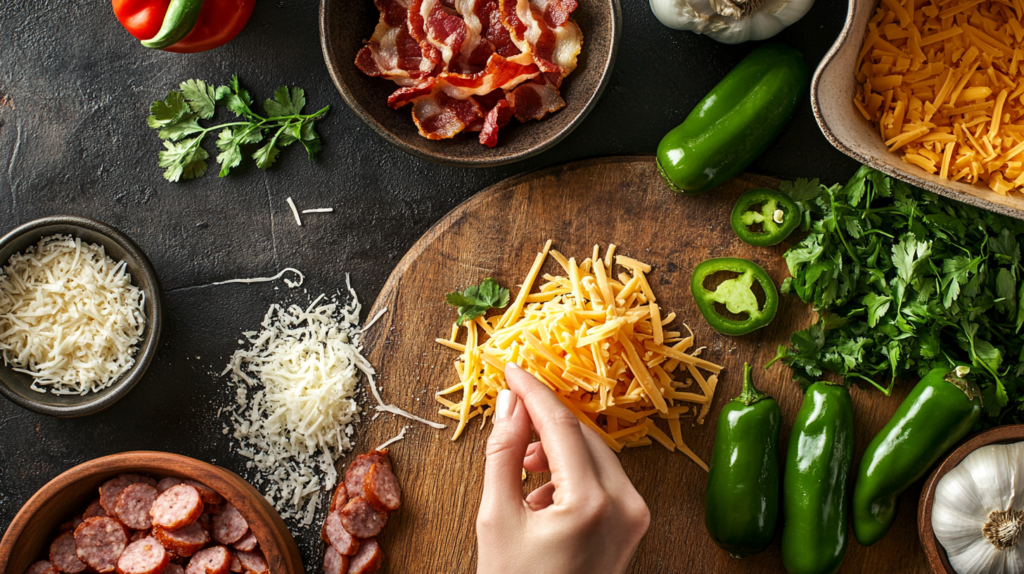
(749, 394)
(181, 17)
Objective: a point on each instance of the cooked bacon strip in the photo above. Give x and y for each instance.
(440, 117)
(533, 101)
(556, 12)
(405, 96)
(555, 48)
(392, 52)
(444, 29)
(500, 73)
(498, 117)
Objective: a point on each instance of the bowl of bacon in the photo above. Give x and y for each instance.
(148, 513)
(471, 83)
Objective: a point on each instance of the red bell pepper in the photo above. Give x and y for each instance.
(183, 26)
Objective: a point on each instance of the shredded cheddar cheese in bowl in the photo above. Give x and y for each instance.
(941, 80)
(600, 342)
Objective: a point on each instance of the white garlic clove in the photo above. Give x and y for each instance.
(994, 475)
(1013, 559)
(957, 494)
(978, 558)
(954, 530)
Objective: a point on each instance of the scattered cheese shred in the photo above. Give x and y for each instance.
(295, 390)
(394, 439)
(291, 284)
(69, 316)
(599, 341)
(295, 211)
(941, 80)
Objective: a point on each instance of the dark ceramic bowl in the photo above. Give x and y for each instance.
(933, 550)
(345, 24)
(17, 386)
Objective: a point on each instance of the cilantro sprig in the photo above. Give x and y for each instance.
(906, 281)
(477, 300)
(177, 120)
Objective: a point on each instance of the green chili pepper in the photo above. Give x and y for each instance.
(742, 502)
(736, 122)
(778, 216)
(735, 294)
(936, 415)
(180, 19)
(816, 479)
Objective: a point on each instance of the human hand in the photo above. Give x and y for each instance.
(589, 519)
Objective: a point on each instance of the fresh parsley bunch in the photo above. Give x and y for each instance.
(477, 300)
(177, 117)
(905, 281)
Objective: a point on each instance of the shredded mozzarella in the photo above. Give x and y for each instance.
(69, 316)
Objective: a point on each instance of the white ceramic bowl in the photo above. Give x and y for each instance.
(832, 91)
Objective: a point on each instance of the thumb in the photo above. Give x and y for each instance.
(506, 449)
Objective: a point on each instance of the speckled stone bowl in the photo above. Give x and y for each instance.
(345, 24)
(17, 386)
(832, 91)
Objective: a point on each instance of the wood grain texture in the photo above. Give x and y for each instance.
(496, 234)
(35, 525)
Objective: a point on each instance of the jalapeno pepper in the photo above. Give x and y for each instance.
(816, 480)
(937, 414)
(735, 294)
(736, 122)
(183, 26)
(742, 502)
(778, 216)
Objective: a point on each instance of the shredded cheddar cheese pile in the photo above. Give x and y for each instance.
(941, 79)
(600, 342)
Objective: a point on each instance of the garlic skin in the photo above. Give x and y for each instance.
(969, 515)
(731, 21)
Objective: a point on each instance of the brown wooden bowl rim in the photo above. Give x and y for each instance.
(263, 519)
(936, 554)
(439, 158)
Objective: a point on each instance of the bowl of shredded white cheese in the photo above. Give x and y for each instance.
(80, 315)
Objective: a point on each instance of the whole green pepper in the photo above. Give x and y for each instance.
(741, 506)
(736, 122)
(937, 413)
(816, 481)
(735, 294)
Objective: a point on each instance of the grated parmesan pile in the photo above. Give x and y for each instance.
(69, 316)
(295, 400)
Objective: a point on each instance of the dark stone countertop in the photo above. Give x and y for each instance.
(74, 95)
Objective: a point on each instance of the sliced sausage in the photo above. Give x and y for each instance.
(368, 559)
(335, 562)
(133, 505)
(64, 554)
(382, 489)
(356, 472)
(334, 533)
(209, 495)
(236, 565)
(177, 507)
(206, 521)
(184, 541)
(145, 556)
(168, 482)
(253, 561)
(212, 560)
(95, 509)
(361, 520)
(340, 497)
(173, 568)
(247, 542)
(229, 526)
(100, 541)
(110, 489)
(42, 567)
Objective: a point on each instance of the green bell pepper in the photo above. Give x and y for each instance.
(778, 216)
(816, 480)
(735, 294)
(937, 414)
(736, 122)
(741, 506)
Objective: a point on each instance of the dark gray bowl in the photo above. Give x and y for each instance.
(345, 24)
(17, 386)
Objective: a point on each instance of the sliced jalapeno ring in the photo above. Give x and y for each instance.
(778, 216)
(736, 294)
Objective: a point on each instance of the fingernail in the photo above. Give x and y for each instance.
(506, 404)
(512, 367)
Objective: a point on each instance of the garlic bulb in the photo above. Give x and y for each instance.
(978, 513)
(731, 21)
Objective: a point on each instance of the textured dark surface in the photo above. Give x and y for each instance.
(74, 94)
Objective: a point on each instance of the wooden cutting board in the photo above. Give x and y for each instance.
(497, 233)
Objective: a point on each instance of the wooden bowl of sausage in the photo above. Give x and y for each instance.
(147, 512)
